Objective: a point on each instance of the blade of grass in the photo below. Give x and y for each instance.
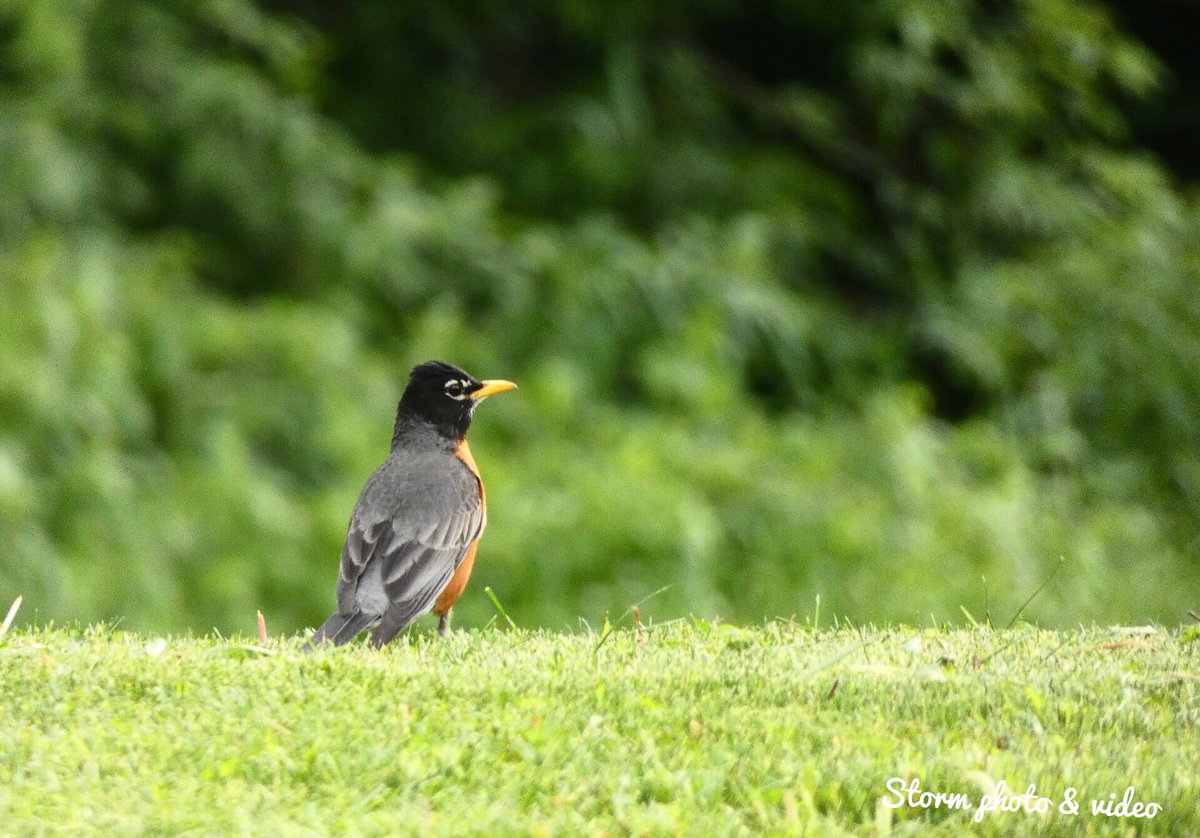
(835, 659)
(1049, 577)
(500, 608)
(12, 615)
(627, 612)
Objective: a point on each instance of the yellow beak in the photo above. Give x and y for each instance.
(493, 385)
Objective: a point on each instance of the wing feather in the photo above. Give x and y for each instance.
(412, 527)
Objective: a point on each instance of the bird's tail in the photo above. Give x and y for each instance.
(339, 628)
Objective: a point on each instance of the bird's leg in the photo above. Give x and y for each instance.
(444, 623)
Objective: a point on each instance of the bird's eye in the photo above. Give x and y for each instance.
(456, 389)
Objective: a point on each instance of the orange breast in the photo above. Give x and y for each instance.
(458, 582)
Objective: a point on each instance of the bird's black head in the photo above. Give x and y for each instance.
(444, 396)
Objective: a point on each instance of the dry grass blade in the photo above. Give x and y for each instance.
(12, 615)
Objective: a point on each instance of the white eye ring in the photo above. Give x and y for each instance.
(456, 389)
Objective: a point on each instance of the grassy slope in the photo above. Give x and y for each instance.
(698, 729)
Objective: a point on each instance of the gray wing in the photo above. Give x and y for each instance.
(412, 527)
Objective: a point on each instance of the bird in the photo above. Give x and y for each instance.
(411, 541)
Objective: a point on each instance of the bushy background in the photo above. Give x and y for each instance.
(895, 303)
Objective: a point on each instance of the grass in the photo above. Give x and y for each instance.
(691, 728)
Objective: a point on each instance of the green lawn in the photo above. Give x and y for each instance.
(689, 729)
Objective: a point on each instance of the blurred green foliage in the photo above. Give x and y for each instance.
(869, 302)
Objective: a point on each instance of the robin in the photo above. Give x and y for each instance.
(411, 541)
